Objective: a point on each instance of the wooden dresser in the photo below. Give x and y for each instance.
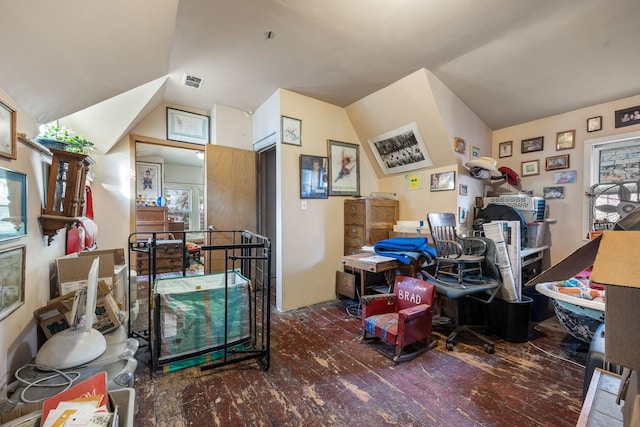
(367, 221)
(170, 252)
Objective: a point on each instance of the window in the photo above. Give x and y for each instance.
(612, 179)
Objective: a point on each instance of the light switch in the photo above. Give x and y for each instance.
(304, 205)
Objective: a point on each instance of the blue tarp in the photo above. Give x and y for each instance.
(405, 249)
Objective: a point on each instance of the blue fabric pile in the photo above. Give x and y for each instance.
(405, 249)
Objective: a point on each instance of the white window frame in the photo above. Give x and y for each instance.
(592, 149)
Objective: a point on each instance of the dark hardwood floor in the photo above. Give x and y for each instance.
(322, 375)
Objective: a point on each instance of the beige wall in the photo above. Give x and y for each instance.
(18, 330)
(311, 241)
(440, 115)
(566, 232)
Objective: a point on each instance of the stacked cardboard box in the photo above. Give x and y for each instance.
(72, 273)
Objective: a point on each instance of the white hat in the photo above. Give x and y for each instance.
(483, 168)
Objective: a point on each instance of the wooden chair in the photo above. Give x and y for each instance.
(398, 324)
(456, 256)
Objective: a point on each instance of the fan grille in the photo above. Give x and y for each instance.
(612, 201)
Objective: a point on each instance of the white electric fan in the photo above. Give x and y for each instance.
(81, 343)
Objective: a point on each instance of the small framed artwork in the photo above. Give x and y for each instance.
(462, 215)
(553, 192)
(532, 167)
(443, 181)
(565, 140)
(148, 183)
(344, 169)
(474, 153)
(313, 177)
(463, 189)
(568, 177)
(12, 262)
(459, 145)
(13, 205)
(594, 124)
(479, 201)
(557, 162)
(185, 126)
(532, 144)
(627, 117)
(291, 131)
(505, 149)
(7, 132)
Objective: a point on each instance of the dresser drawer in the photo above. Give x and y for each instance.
(354, 233)
(354, 213)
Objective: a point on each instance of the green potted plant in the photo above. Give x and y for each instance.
(55, 136)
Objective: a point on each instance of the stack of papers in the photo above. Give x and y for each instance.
(377, 258)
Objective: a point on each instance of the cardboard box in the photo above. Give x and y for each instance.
(54, 317)
(73, 271)
(616, 266)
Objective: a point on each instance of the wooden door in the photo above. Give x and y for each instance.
(231, 190)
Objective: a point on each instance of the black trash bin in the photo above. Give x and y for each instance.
(510, 319)
(540, 305)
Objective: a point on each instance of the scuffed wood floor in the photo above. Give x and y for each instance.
(322, 375)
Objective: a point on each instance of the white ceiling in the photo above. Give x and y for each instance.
(511, 61)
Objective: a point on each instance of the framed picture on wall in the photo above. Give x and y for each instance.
(185, 126)
(531, 167)
(344, 169)
(7, 132)
(291, 131)
(459, 145)
(557, 162)
(532, 144)
(313, 177)
(148, 183)
(627, 117)
(505, 149)
(443, 181)
(12, 263)
(400, 150)
(594, 124)
(565, 140)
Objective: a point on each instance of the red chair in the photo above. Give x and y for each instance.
(398, 325)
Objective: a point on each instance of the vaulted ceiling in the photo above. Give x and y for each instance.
(510, 61)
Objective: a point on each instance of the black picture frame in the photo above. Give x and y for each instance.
(186, 126)
(627, 117)
(594, 124)
(314, 177)
(532, 144)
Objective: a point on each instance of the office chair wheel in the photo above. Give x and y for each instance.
(449, 346)
(489, 348)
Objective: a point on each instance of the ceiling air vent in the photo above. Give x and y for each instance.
(192, 81)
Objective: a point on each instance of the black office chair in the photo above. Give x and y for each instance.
(451, 274)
